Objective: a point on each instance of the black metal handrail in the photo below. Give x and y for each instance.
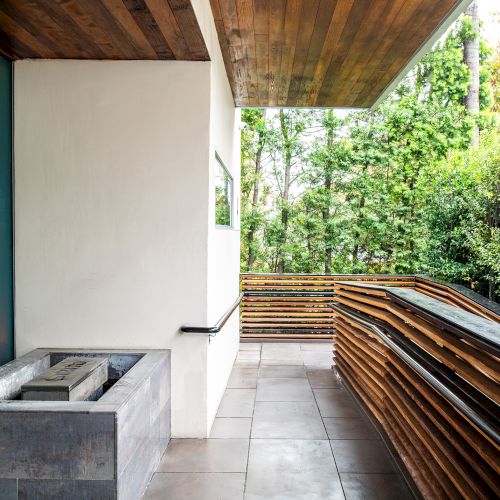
(477, 413)
(212, 330)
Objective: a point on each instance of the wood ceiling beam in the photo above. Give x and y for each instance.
(101, 29)
(325, 53)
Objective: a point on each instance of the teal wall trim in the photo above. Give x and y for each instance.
(6, 237)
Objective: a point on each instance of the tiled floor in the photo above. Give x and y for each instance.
(286, 429)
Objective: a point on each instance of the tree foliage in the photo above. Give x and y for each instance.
(395, 190)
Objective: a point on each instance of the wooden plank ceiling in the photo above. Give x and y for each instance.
(100, 29)
(340, 53)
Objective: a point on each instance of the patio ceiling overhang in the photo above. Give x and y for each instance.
(310, 53)
(100, 29)
(325, 53)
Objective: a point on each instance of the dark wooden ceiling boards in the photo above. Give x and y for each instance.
(331, 53)
(100, 29)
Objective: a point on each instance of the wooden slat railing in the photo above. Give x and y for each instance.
(422, 355)
(429, 373)
(459, 296)
(287, 306)
(295, 306)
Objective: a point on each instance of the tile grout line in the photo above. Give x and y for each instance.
(329, 440)
(251, 423)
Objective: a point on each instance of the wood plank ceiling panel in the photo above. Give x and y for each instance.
(100, 29)
(321, 53)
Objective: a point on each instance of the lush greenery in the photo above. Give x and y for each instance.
(395, 190)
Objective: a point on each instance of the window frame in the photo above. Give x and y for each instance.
(221, 164)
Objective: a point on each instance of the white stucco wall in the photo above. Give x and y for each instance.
(111, 209)
(223, 244)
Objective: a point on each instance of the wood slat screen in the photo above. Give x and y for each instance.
(449, 295)
(295, 305)
(392, 352)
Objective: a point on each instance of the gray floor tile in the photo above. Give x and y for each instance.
(294, 420)
(247, 363)
(280, 346)
(323, 378)
(248, 355)
(205, 455)
(237, 403)
(281, 352)
(243, 378)
(284, 389)
(244, 371)
(250, 346)
(336, 403)
(282, 371)
(317, 358)
(282, 355)
(281, 362)
(224, 428)
(285, 469)
(374, 487)
(317, 346)
(189, 486)
(361, 455)
(350, 428)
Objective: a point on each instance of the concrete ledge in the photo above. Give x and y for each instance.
(76, 449)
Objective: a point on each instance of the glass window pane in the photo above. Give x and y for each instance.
(223, 195)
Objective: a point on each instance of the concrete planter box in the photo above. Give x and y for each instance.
(105, 449)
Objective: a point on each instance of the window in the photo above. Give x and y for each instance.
(223, 195)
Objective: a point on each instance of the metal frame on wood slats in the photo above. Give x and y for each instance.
(432, 382)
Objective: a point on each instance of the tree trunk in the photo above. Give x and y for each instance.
(287, 154)
(471, 58)
(328, 187)
(255, 200)
(493, 222)
(255, 196)
(357, 236)
(357, 233)
(326, 217)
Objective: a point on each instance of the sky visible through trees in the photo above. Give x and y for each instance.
(402, 189)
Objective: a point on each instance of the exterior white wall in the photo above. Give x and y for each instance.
(223, 244)
(115, 237)
(111, 210)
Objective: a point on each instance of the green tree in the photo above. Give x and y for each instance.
(395, 190)
(254, 139)
(463, 217)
